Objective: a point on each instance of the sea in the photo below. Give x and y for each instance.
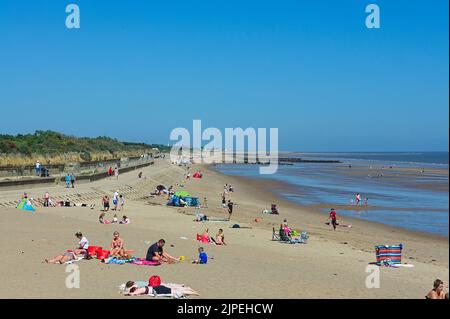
(411, 192)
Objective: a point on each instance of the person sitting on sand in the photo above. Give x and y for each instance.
(102, 219)
(115, 220)
(220, 238)
(156, 253)
(83, 244)
(117, 246)
(202, 257)
(125, 220)
(438, 290)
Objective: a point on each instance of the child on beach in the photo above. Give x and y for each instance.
(202, 257)
(115, 220)
(122, 202)
(125, 220)
(102, 219)
(115, 200)
(333, 218)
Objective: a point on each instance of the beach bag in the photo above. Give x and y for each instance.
(154, 281)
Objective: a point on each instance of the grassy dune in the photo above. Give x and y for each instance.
(55, 148)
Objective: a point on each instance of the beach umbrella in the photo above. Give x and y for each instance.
(182, 194)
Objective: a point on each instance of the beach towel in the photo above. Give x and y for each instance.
(73, 261)
(117, 261)
(143, 262)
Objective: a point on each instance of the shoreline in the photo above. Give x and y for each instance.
(365, 231)
(274, 185)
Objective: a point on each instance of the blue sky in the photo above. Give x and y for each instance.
(137, 69)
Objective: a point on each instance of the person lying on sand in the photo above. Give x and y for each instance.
(438, 290)
(156, 253)
(117, 246)
(133, 289)
(65, 257)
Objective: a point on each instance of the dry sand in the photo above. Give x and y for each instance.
(331, 265)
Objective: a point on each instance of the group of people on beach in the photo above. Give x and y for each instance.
(114, 172)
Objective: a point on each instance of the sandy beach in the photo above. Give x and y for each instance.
(331, 265)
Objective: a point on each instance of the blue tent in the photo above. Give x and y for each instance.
(190, 201)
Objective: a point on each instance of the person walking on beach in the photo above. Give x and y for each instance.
(122, 202)
(115, 200)
(116, 172)
(230, 209)
(72, 180)
(46, 199)
(224, 200)
(333, 218)
(38, 168)
(105, 203)
(67, 180)
(110, 172)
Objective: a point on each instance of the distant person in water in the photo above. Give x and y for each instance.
(366, 201)
(438, 290)
(358, 199)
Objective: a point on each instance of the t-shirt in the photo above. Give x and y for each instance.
(203, 258)
(152, 250)
(38, 165)
(84, 243)
(333, 215)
